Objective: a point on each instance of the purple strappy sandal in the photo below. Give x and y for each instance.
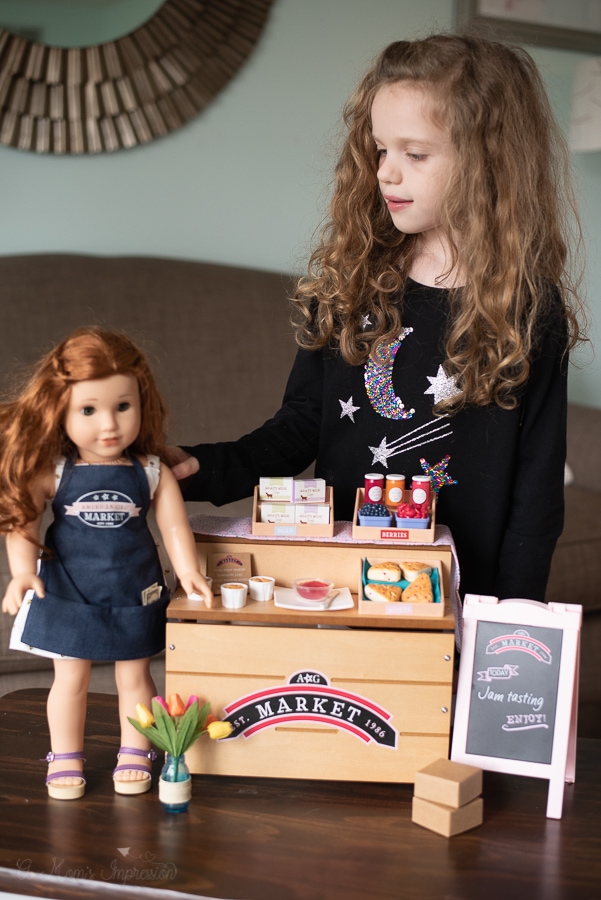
(134, 787)
(65, 791)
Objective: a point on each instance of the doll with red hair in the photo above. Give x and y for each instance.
(86, 433)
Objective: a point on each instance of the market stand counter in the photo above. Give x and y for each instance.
(315, 694)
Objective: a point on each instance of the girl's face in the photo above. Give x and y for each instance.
(416, 158)
(103, 417)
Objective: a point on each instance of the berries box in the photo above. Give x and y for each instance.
(416, 533)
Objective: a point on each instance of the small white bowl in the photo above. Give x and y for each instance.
(260, 587)
(233, 595)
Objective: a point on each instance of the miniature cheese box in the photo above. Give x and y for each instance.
(312, 514)
(281, 513)
(276, 490)
(309, 490)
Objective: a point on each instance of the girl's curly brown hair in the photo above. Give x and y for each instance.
(32, 435)
(509, 218)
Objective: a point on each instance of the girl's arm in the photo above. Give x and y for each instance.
(23, 554)
(172, 520)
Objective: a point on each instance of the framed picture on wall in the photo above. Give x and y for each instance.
(574, 25)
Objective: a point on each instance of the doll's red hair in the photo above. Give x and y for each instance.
(32, 436)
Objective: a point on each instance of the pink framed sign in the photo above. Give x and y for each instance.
(517, 694)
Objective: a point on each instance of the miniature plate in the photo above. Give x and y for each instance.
(287, 598)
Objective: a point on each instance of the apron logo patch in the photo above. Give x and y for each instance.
(103, 509)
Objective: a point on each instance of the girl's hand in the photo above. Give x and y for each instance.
(16, 590)
(182, 464)
(195, 583)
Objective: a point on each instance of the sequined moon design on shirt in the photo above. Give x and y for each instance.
(378, 380)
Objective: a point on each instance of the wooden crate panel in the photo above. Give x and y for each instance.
(313, 751)
(416, 709)
(328, 756)
(368, 655)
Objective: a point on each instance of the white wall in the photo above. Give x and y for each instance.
(246, 182)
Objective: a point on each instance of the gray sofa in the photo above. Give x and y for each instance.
(221, 346)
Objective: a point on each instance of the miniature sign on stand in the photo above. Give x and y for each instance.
(517, 695)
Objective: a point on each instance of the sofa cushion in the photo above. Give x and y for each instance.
(218, 337)
(576, 567)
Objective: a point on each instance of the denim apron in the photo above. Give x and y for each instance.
(105, 593)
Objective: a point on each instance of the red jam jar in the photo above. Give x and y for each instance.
(374, 487)
(421, 489)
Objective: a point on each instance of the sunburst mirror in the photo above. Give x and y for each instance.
(125, 92)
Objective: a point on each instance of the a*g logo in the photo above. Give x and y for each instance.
(103, 509)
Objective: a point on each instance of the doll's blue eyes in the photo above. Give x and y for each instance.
(88, 411)
(123, 407)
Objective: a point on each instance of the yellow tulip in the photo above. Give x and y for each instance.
(218, 730)
(145, 717)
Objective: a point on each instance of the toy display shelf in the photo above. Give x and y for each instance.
(312, 679)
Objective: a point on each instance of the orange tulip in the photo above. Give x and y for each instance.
(176, 705)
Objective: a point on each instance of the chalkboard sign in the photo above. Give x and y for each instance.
(518, 690)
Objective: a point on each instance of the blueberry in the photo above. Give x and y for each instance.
(374, 509)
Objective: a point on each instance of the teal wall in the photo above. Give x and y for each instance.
(247, 181)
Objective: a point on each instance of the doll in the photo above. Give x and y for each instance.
(86, 433)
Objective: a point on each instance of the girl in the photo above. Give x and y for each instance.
(87, 432)
(438, 311)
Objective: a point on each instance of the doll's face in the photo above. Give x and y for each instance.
(103, 417)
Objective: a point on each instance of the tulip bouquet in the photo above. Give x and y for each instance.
(173, 726)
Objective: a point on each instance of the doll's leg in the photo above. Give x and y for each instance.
(66, 709)
(134, 685)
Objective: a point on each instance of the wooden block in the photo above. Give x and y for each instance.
(446, 820)
(450, 783)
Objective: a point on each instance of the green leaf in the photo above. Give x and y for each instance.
(186, 729)
(158, 710)
(153, 734)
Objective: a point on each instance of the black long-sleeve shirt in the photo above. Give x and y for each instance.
(505, 505)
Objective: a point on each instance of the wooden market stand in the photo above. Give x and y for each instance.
(399, 667)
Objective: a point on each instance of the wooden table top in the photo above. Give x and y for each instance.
(268, 839)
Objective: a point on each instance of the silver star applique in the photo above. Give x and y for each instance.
(348, 409)
(443, 386)
(381, 453)
(365, 321)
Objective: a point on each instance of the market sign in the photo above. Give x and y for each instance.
(308, 697)
(518, 690)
